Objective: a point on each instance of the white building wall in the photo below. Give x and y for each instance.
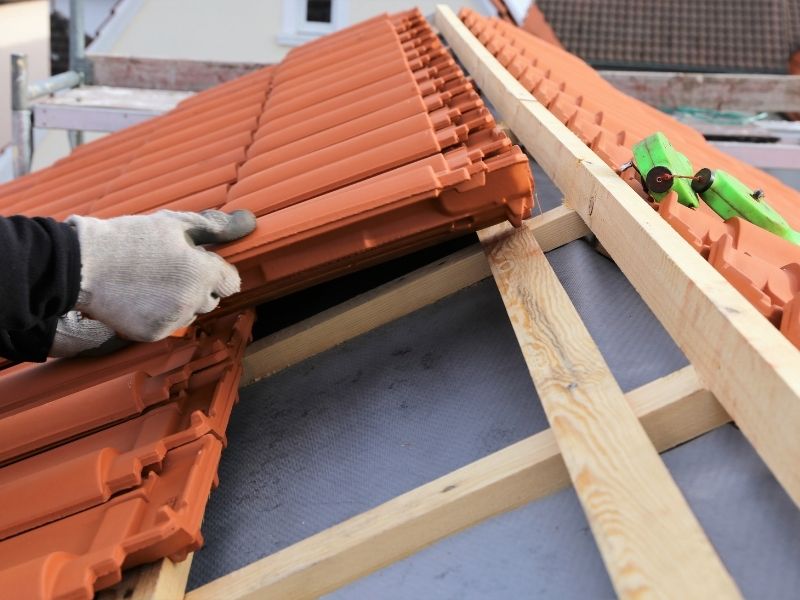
(214, 30)
(222, 30)
(229, 30)
(25, 28)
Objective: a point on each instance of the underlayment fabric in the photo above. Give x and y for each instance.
(680, 35)
(409, 402)
(349, 429)
(545, 549)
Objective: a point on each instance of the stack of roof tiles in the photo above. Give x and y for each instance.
(360, 146)
(108, 462)
(762, 266)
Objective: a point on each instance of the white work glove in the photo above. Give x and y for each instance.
(78, 335)
(145, 276)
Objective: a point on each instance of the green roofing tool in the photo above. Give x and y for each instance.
(729, 197)
(663, 169)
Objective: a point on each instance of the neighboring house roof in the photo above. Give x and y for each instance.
(763, 267)
(684, 35)
(360, 146)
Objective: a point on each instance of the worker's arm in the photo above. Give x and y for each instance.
(140, 276)
(40, 270)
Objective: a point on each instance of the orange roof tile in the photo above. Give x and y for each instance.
(360, 146)
(54, 424)
(332, 130)
(73, 557)
(762, 266)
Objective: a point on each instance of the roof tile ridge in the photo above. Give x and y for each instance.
(267, 94)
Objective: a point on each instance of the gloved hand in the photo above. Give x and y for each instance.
(76, 334)
(145, 276)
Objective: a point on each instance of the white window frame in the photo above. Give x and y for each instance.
(297, 29)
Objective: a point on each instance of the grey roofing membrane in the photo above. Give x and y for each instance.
(406, 403)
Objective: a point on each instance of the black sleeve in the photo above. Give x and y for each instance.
(40, 277)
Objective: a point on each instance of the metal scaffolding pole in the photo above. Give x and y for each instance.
(23, 92)
(77, 53)
(21, 136)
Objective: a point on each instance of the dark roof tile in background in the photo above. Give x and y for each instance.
(681, 35)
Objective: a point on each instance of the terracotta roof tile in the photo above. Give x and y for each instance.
(72, 557)
(48, 404)
(50, 440)
(359, 147)
(349, 107)
(762, 266)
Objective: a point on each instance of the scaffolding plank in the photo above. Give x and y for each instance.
(716, 91)
(673, 410)
(98, 108)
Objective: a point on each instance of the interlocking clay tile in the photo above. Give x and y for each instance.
(72, 557)
(327, 169)
(329, 119)
(767, 287)
(761, 265)
(326, 120)
(351, 220)
(48, 404)
(790, 323)
(89, 470)
(213, 198)
(698, 228)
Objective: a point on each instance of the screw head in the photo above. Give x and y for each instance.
(659, 180)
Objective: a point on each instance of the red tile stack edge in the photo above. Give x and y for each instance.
(108, 462)
(762, 266)
(360, 146)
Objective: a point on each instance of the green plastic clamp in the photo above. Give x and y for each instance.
(655, 156)
(729, 197)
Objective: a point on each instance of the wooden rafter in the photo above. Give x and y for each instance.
(162, 580)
